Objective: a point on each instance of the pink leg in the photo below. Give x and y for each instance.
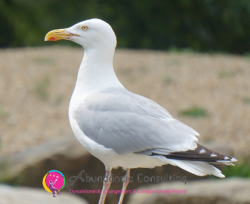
(124, 186)
(106, 185)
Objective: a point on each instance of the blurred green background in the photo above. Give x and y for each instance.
(200, 25)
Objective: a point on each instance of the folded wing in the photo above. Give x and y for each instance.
(129, 123)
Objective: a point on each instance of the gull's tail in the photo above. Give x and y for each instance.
(198, 168)
(197, 161)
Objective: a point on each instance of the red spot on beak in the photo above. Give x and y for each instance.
(52, 39)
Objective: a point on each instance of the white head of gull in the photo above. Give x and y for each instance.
(121, 128)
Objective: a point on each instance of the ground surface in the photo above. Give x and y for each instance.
(36, 85)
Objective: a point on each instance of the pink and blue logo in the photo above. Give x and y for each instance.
(53, 182)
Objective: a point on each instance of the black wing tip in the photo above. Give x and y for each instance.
(200, 153)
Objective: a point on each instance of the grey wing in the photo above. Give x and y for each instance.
(129, 123)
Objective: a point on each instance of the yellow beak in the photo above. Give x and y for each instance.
(60, 34)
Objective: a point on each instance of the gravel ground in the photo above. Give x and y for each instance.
(36, 85)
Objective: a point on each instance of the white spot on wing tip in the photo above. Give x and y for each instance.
(213, 155)
(226, 157)
(202, 151)
(233, 159)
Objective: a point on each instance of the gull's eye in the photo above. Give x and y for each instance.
(85, 28)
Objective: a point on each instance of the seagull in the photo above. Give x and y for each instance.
(120, 128)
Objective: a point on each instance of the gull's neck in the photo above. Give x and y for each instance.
(96, 71)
